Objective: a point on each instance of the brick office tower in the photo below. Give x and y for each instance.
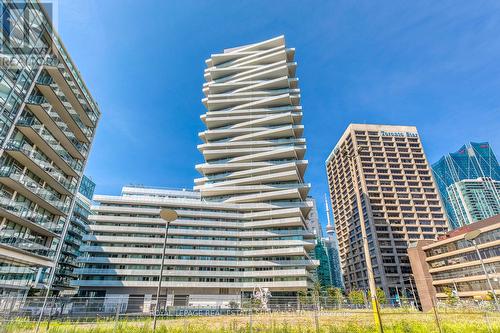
(401, 205)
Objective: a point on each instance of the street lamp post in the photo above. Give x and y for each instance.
(168, 215)
(471, 237)
(456, 289)
(366, 249)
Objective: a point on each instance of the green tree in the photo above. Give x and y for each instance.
(382, 299)
(451, 297)
(489, 296)
(234, 305)
(303, 298)
(317, 291)
(356, 297)
(335, 295)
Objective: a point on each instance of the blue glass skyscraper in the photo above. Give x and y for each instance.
(471, 161)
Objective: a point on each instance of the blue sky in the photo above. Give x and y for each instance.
(432, 64)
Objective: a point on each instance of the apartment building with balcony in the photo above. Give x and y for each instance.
(474, 200)
(451, 263)
(245, 223)
(78, 228)
(467, 180)
(47, 124)
(212, 248)
(399, 199)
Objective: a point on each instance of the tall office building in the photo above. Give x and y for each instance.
(467, 182)
(47, 124)
(332, 250)
(244, 225)
(399, 199)
(332, 246)
(324, 271)
(77, 229)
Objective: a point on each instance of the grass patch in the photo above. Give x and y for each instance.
(304, 322)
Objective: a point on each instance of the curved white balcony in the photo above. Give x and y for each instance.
(289, 251)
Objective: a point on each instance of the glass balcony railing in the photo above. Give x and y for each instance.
(53, 143)
(81, 147)
(53, 61)
(72, 261)
(73, 240)
(36, 99)
(87, 131)
(36, 157)
(40, 100)
(70, 109)
(74, 77)
(44, 79)
(65, 271)
(21, 210)
(34, 187)
(9, 237)
(274, 162)
(93, 117)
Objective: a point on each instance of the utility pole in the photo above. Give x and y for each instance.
(366, 249)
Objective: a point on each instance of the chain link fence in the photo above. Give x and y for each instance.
(245, 312)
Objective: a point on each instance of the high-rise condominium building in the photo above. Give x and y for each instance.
(474, 200)
(47, 124)
(467, 180)
(77, 229)
(399, 199)
(312, 220)
(244, 225)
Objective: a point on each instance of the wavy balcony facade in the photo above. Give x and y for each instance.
(244, 225)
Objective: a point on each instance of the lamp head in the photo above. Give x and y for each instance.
(470, 236)
(168, 215)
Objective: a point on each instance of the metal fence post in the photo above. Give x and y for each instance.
(117, 316)
(316, 319)
(11, 309)
(438, 323)
(487, 320)
(251, 313)
(51, 309)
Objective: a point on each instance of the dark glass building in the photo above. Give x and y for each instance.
(323, 271)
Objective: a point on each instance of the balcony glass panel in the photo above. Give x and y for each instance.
(34, 187)
(21, 209)
(9, 237)
(53, 143)
(36, 157)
